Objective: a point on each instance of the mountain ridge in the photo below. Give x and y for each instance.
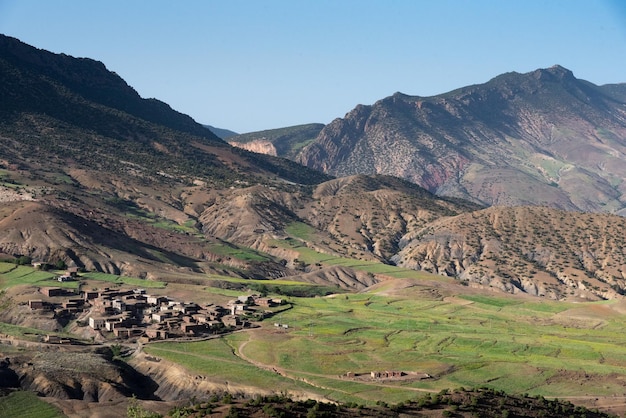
(536, 138)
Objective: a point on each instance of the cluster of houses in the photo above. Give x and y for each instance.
(136, 314)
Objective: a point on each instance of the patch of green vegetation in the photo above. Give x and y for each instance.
(550, 166)
(130, 281)
(277, 282)
(6, 267)
(160, 255)
(267, 287)
(223, 292)
(238, 252)
(61, 178)
(546, 306)
(300, 230)
(186, 228)
(491, 301)
(299, 290)
(25, 404)
(132, 210)
(27, 333)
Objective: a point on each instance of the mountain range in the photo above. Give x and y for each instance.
(542, 138)
(98, 177)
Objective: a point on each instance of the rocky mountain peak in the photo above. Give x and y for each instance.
(556, 72)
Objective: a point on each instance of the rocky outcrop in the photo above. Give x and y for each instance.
(261, 146)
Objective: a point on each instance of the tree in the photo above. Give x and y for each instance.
(23, 260)
(135, 410)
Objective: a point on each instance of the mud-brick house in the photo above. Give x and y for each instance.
(135, 305)
(214, 312)
(246, 299)
(73, 304)
(71, 307)
(232, 321)
(200, 318)
(171, 323)
(90, 295)
(193, 329)
(56, 291)
(55, 339)
(388, 374)
(186, 308)
(119, 305)
(72, 272)
(156, 333)
(128, 332)
(156, 300)
(147, 314)
(161, 316)
(238, 308)
(214, 325)
(36, 304)
(266, 302)
(111, 323)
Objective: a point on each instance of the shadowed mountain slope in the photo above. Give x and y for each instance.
(91, 117)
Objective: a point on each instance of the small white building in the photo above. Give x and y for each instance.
(97, 323)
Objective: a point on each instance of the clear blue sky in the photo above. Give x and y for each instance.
(261, 64)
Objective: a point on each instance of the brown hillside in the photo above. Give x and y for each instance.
(541, 251)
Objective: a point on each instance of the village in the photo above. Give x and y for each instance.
(116, 313)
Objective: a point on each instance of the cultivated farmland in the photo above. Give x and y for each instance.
(513, 344)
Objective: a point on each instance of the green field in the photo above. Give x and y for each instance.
(509, 344)
(13, 275)
(130, 281)
(27, 405)
(238, 252)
